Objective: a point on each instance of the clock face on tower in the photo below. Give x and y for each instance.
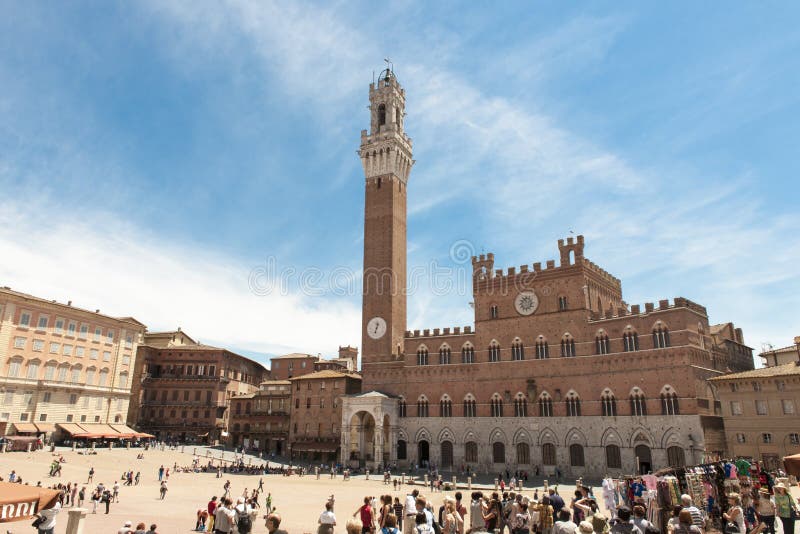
(526, 302)
(376, 327)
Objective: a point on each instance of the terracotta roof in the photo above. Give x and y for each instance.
(788, 369)
(328, 373)
(294, 355)
(275, 383)
(790, 348)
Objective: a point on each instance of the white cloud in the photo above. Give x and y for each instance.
(103, 263)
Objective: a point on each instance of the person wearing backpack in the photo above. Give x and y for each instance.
(244, 516)
(390, 525)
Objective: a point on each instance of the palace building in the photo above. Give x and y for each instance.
(557, 372)
(63, 365)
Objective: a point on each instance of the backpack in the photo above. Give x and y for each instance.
(244, 522)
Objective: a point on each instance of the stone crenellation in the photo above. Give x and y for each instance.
(571, 255)
(649, 307)
(439, 332)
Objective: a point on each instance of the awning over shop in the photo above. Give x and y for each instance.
(18, 502)
(71, 428)
(314, 446)
(792, 464)
(26, 428)
(45, 427)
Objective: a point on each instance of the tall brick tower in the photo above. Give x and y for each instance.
(386, 156)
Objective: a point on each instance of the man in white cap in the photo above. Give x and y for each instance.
(126, 528)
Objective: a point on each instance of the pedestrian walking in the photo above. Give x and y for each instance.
(163, 489)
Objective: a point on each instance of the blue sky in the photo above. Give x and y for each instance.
(157, 158)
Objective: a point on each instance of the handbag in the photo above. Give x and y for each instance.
(731, 528)
(38, 521)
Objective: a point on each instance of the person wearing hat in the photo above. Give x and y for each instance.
(585, 528)
(126, 528)
(765, 509)
(785, 507)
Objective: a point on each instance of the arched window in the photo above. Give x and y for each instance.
(422, 355)
(247, 408)
(499, 452)
(517, 350)
(123, 380)
(33, 370)
(238, 410)
(520, 406)
(422, 407)
(381, 114)
(470, 409)
(573, 404)
(576, 455)
(562, 303)
(494, 352)
(445, 407)
(467, 353)
(444, 355)
(669, 402)
(493, 311)
(14, 366)
(103, 377)
(613, 457)
(471, 452)
(62, 372)
(523, 453)
(676, 457)
(630, 341)
(601, 343)
(496, 404)
(608, 403)
(548, 454)
(401, 408)
(90, 376)
(542, 350)
(567, 346)
(50, 371)
(660, 336)
(545, 405)
(638, 403)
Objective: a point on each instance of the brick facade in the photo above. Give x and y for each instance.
(186, 390)
(559, 371)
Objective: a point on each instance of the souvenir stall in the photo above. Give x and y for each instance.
(707, 485)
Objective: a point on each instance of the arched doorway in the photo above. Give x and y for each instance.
(423, 453)
(642, 452)
(362, 438)
(447, 454)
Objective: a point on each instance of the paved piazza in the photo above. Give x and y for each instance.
(298, 500)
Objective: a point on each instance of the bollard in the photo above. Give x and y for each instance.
(208, 453)
(128, 445)
(367, 471)
(194, 451)
(496, 485)
(73, 447)
(545, 485)
(29, 446)
(110, 445)
(316, 472)
(426, 480)
(75, 520)
(402, 479)
(93, 445)
(455, 483)
(469, 483)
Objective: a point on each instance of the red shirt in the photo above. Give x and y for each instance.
(212, 505)
(366, 515)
